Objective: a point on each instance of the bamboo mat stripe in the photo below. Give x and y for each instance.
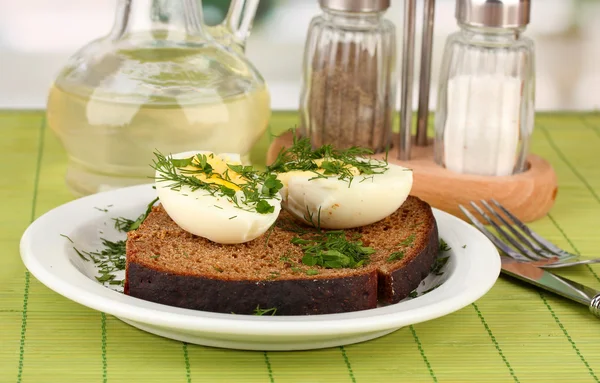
(513, 334)
(188, 372)
(104, 362)
(268, 363)
(40, 151)
(568, 337)
(493, 338)
(422, 351)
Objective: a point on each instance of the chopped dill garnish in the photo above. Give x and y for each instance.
(235, 216)
(431, 289)
(333, 162)
(414, 293)
(260, 312)
(408, 241)
(395, 256)
(67, 237)
(444, 246)
(308, 217)
(331, 249)
(464, 246)
(155, 256)
(108, 260)
(100, 209)
(438, 265)
(80, 254)
(125, 224)
(269, 234)
(253, 193)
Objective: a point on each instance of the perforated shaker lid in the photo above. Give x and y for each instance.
(493, 13)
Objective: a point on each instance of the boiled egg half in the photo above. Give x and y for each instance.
(214, 196)
(329, 202)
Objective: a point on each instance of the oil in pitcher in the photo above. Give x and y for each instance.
(160, 81)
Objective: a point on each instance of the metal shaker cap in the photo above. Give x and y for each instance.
(355, 5)
(493, 13)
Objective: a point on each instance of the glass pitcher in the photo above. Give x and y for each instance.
(163, 81)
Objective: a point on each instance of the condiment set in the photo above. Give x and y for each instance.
(485, 109)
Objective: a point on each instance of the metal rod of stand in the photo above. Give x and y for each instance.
(408, 53)
(425, 72)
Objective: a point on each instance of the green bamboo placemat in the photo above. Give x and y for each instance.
(513, 334)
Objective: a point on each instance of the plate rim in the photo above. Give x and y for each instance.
(156, 314)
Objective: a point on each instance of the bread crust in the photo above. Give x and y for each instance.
(331, 291)
(290, 297)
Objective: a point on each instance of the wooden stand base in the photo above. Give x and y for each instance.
(529, 195)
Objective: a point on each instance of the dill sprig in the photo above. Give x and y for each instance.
(331, 249)
(444, 246)
(108, 260)
(260, 312)
(125, 224)
(439, 264)
(335, 162)
(404, 244)
(112, 257)
(395, 256)
(441, 260)
(256, 189)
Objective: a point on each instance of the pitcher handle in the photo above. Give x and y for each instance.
(239, 19)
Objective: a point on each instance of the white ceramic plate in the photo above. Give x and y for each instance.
(472, 269)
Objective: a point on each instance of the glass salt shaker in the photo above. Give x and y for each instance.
(485, 109)
(349, 75)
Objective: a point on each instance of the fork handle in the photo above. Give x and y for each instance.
(595, 305)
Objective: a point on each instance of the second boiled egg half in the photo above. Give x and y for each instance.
(357, 200)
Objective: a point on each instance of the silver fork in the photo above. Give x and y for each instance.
(527, 245)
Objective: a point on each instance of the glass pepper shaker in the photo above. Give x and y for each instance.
(485, 110)
(349, 75)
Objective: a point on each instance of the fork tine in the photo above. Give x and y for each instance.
(506, 236)
(495, 240)
(544, 242)
(517, 234)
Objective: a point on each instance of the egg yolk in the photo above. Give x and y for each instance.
(285, 177)
(221, 173)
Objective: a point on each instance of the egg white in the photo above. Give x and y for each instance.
(214, 217)
(335, 204)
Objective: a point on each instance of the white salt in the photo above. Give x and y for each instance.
(481, 134)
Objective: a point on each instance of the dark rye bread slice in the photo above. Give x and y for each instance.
(168, 265)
